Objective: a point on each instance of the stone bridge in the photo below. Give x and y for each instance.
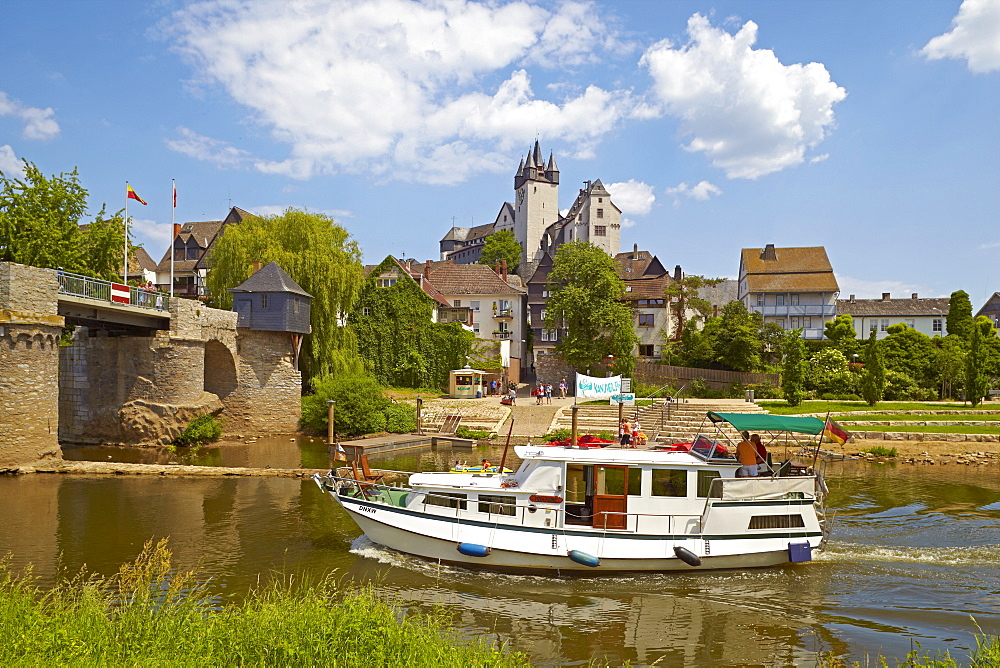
(80, 370)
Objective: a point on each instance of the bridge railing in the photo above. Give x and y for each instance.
(115, 293)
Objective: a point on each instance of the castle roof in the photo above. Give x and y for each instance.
(271, 278)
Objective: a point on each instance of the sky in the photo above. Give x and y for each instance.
(870, 128)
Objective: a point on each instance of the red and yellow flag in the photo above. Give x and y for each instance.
(130, 194)
(835, 432)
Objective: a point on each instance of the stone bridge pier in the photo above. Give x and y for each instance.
(116, 384)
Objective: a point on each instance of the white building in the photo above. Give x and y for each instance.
(924, 315)
(791, 287)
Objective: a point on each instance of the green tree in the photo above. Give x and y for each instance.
(501, 246)
(586, 304)
(976, 380)
(319, 255)
(737, 344)
(40, 225)
(909, 352)
(360, 408)
(873, 377)
(841, 332)
(959, 318)
(794, 370)
(397, 338)
(683, 296)
(772, 341)
(829, 373)
(949, 363)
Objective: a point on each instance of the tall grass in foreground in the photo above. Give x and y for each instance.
(149, 614)
(985, 655)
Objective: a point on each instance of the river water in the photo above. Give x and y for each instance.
(914, 557)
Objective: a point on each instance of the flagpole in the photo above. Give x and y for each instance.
(125, 270)
(173, 206)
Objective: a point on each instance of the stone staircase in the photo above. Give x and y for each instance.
(665, 423)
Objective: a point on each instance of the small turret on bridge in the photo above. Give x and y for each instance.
(131, 366)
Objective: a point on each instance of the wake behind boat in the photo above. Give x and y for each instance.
(583, 508)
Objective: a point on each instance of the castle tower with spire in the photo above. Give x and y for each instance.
(536, 200)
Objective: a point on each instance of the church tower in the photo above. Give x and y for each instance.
(536, 200)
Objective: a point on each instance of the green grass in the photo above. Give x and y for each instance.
(781, 408)
(985, 655)
(928, 429)
(896, 417)
(880, 451)
(150, 614)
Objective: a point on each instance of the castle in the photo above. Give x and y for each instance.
(535, 220)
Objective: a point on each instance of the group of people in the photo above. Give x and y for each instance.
(751, 454)
(630, 435)
(542, 394)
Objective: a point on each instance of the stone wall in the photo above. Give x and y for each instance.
(268, 399)
(550, 368)
(29, 391)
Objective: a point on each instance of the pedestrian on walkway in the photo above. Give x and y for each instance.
(562, 388)
(548, 393)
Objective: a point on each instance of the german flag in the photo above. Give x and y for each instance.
(835, 432)
(130, 194)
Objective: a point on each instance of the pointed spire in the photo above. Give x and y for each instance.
(551, 167)
(520, 167)
(531, 160)
(539, 160)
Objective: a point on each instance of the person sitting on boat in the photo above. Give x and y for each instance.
(485, 465)
(746, 453)
(761, 452)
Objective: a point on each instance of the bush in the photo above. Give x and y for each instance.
(900, 387)
(880, 451)
(839, 397)
(400, 418)
(475, 434)
(360, 407)
(202, 429)
(765, 391)
(557, 435)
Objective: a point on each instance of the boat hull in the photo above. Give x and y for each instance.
(517, 548)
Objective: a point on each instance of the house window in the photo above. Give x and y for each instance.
(600, 213)
(645, 319)
(760, 299)
(909, 322)
(192, 252)
(366, 310)
(794, 322)
(885, 324)
(546, 294)
(779, 300)
(793, 300)
(385, 282)
(600, 230)
(647, 350)
(937, 325)
(474, 305)
(457, 303)
(263, 302)
(550, 335)
(873, 325)
(542, 315)
(807, 321)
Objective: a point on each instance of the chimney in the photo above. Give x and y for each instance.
(913, 296)
(427, 269)
(885, 296)
(496, 267)
(257, 266)
(635, 251)
(503, 268)
(677, 272)
(852, 299)
(769, 255)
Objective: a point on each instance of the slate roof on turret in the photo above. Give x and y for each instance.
(471, 279)
(551, 167)
(271, 278)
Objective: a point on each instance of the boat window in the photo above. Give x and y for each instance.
(611, 480)
(576, 484)
(634, 481)
(497, 504)
(446, 499)
(776, 522)
(669, 482)
(705, 479)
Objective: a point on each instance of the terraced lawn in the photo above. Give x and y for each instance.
(876, 417)
(929, 429)
(781, 408)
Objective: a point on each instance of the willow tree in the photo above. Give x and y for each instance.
(319, 255)
(586, 305)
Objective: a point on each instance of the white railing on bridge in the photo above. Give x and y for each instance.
(78, 285)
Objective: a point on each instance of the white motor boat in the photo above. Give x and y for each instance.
(584, 508)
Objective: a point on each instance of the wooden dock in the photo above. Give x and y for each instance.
(394, 442)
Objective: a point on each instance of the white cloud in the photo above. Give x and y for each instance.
(277, 210)
(632, 197)
(430, 92)
(749, 113)
(869, 289)
(38, 123)
(701, 191)
(975, 36)
(628, 222)
(155, 237)
(989, 246)
(10, 165)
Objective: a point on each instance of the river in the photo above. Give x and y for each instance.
(914, 557)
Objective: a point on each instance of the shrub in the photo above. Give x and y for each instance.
(557, 435)
(900, 387)
(360, 407)
(400, 418)
(202, 429)
(476, 434)
(880, 451)
(839, 397)
(765, 391)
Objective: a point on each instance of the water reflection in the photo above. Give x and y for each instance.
(914, 554)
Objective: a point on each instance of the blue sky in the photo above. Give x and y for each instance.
(870, 128)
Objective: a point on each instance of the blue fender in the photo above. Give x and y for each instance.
(473, 550)
(584, 558)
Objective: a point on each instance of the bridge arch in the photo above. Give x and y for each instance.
(220, 369)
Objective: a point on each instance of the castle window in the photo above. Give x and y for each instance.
(600, 230)
(263, 302)
(600, 199)
(600, 213)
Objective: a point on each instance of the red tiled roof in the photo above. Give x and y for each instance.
(470, 279)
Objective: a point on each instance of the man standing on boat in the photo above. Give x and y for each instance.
(746, 453)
